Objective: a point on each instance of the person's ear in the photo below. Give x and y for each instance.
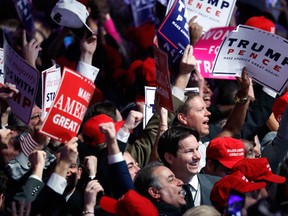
(182, 118)
(169, 157)
(154, 193)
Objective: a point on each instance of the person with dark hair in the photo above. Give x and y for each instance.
(158, 183)
(178, 149)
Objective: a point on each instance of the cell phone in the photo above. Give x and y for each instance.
(236, 202)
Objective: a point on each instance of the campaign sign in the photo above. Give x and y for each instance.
(150, 100)
(69, 107)
(264, 54)
(173, 33)
(23, 8)
(51, 79)
(163, 91)
(1, 67)
(142, 11)
(206, 49)
(210, 13)
(26, 78)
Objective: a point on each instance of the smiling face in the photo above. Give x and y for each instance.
(186, 163)
(197, 115)
(171, 187)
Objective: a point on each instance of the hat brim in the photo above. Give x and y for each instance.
(248, 187)
(275, 179)
(79, 32)
(108, 204)
(229, 163)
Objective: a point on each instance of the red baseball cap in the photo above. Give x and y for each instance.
(258, 169)
(262, 23)
(131, 203)
(279, 105)
(226, 150)
(237, 181)
(91, 128)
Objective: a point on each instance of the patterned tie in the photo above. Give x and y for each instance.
(188, 197)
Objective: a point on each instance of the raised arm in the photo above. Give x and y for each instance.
(237, 116)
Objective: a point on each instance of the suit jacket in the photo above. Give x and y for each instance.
(206, 184)
(50, 203)
(30, 190)
(120, 179)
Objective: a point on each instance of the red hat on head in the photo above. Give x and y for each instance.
(226, 150)
(279, 105)
(262, 23)
(149, 72)
(237, 181)
(258, 169)
(91, 128)
(131, 203)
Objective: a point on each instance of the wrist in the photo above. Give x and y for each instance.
(241, 94)
(86, 57)
(62, 168)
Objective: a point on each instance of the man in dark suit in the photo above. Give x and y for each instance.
(178, 148)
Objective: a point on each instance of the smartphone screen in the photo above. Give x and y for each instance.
(235, 203)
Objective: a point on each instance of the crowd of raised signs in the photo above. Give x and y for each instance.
(109, 107)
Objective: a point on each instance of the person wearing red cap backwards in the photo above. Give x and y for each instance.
(94, 141)
(235, 181)
(221, 154)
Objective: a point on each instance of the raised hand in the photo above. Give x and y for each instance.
(195, 31)
(133, 120)
(30, 49)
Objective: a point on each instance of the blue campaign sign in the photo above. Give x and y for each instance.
(24, 12)
(173, 33)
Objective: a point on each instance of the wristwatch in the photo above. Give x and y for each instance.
(240, 100)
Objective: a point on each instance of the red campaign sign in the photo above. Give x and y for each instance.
(69, 107)
(163, 92)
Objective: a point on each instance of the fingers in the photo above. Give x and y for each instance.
(24, 39)
(192, 20)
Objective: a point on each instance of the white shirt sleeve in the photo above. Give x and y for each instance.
(57, 183)
(122, 135)
(269, 92)
(115, 158)
(179, 93)
(87, 70)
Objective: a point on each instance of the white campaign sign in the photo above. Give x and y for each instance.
(210, 13)
(264, 54)
(51, 79)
